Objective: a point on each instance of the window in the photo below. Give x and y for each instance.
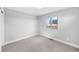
(53, 22)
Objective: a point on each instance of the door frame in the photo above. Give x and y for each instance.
(1, 28)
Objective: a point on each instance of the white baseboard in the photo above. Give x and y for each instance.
(70, 44)
(29, 35)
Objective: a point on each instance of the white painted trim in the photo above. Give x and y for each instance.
(70, 44)
(29, 35)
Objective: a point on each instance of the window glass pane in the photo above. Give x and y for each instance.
(53, 20)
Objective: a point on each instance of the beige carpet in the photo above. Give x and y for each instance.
(38, 44)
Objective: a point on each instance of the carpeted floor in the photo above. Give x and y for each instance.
(38, 44)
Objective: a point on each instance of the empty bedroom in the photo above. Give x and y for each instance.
(44, 29)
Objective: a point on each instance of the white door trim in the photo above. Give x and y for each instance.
(1, 27)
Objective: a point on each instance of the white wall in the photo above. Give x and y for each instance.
(1, 29)
(68, 25)
(19, 25)
(0, 32)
